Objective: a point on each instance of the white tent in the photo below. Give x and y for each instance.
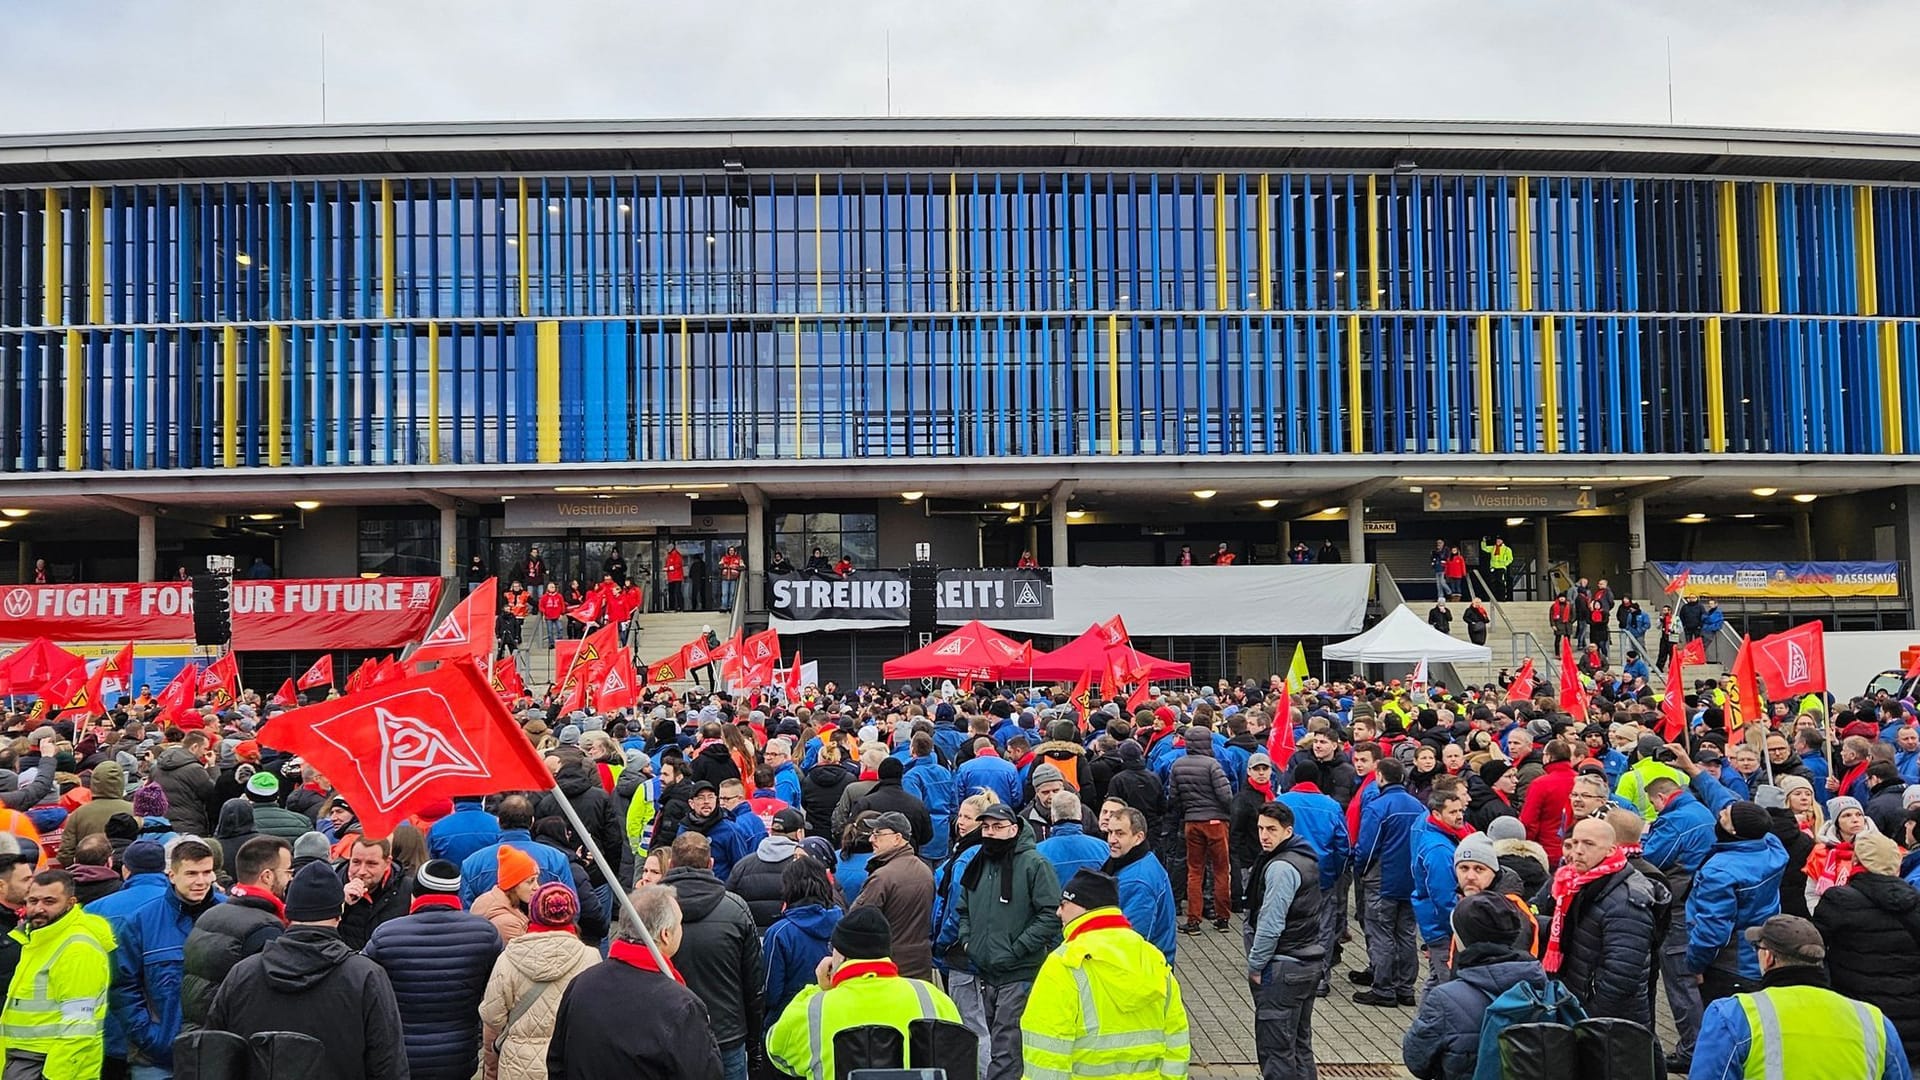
(1404, 638)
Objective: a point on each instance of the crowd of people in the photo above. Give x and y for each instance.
(991, 866)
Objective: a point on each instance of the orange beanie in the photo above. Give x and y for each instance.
(516, 866)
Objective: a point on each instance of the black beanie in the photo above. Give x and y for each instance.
(1493, 770)
(863, 935)
(1092, 889)
(1485, 917)
(315, 894)
(892, 769)
(1306, 771)
(1750, 821)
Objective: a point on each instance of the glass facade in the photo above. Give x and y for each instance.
(655, 318)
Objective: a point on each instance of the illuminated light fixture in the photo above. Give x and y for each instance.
(711, 239)
(1804, 498)
(1009, 506)
(1511, 522)
(1533, 479)
(553, 208)
(6, 524)
(1696, 516)
(1586, 487)
(261, 517)
(1766, 492)
(1076, 515)
(15, 513)
(243, 259)
(1205, 493)
(1331, 511)
(1267, 504)
(306, 504)
(690, 495)
(912, 496)
(1415, 490)
(369, 575)
(506, 498)
(1745, 517)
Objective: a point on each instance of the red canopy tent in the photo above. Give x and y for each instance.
(974, 651)
(1088, 652)
(35, 665)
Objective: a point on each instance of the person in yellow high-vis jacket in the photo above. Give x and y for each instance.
(1105, 1001)
(54, 1024)
(857, 985)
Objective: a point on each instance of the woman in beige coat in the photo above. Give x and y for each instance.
(541, 963)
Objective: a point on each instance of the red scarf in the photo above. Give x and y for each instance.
(1307, 787)
(638, 955)
(1109, 919)
(1567, 882)
(1837, 868)
(985, 751)
(1853, 777)
(870, 774)
(258, 893)
(854, 969)
(1353, 804)
(1458, 834)
(1265, 789)
(433, 900)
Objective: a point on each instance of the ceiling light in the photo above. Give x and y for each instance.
(243, 259)
(1765, 492)
(1516, 521)
(1331, 511)
(1744, 517)
(1009, 506)
(1076, 515)
(553, 208)
(1267, 504)
(912, 496)
(4, 524)
(711, 240)
(1415, 490)
(1804, 498)
(506, 498)
(261, 517)
(1696, 516)
(15, 513)
(1205, 493)
(693, 494)
(306, 504)
(625, 209)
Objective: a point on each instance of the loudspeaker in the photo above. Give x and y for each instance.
(212, 617)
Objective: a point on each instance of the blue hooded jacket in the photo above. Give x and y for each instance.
(946, 902)
(1321, 824)
(119, 910)
(1737, 887)
(1071, 850)
(1434, 887)
(1146, 899)
(793, 948)
(786, 784)
(989, 772)
(463, 832)
(1681, 837)
(1386, 838)
(931, 782)
(149, 963)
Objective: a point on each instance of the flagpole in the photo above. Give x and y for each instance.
(600, 862)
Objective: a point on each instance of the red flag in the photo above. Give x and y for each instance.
(1137, 698)
(732, 662)
(665, 670)
(90, 699)
(411, 742)
(1107, 689)
(1114, 633)
(361, 674)
(1573, 696)
(286, 696)
(1673, 705)
(1695, 651)
(1794, 661)
(694, 654)
(575, 697)
(320, 674)
(1078, 696)
(221, 680)
(1744, 704)
(178, 696)
(589, 610)
(387, 670)
(68, 691)
(763, 647)
(467, 630)
(616, 687)
(1282, 739)
(1680, 580)
(1522, 687)
(119, 668)
(1913, 670)
(506, 679)
(793, 686)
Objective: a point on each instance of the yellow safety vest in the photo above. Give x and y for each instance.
(869, 992)
(1104, 1004)
(1812, 1033)
(57, 1002)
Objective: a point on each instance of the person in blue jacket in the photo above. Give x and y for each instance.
(1599, 749)
(1435, 839)
(987, 771)
(797, 941)
(467, 830)
(948, 736)
(1737, 887)
(482, 868)
(1067, 845)
(145, 863)
(1716, 765)
(1146, 893)
(149, 956)
(933, 784)
(1386, 842)
(786, 779)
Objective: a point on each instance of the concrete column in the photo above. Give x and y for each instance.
(449, 542)
(1057, 506)
(1542, 556)
(146, 566)
(1357, 531)
(1286, 538)
(1803, 534)
(1033, 538)
(1906, 544)
(1637, 546)
(756, 553)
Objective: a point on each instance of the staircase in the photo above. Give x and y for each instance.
(661, 633)
(1522, 629)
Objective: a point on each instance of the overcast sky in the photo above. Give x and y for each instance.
(71, 65)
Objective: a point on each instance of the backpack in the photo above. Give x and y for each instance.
(1522, 1003)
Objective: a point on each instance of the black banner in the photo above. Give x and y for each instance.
(863, 594)
(960, 595)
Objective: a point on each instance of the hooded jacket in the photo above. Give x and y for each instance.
(593, 804)
(109, 789)
(820, 790)
(989, 772)
(1526, 861)
(549, 960)
(714, 764)
(1138, 1023)
(933, 784)
(1386, 836)
(1872, 929)
(220, 939)
(1737, 887)
(1443, 1043)
(311, 982)
(719, 954)
(901, 886)
(793, 949)
(189, 788)
(235, 828)
(1434, 887)
(1138, 787)
(1010, 917)
(756, 878)
(438, 960)
(1197, 787)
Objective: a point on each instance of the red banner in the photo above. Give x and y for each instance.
(328, 613)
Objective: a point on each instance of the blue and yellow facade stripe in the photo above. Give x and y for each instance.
(521, 248)
(1866, 275)
(547, 394)
(1892, 375)
(96, 256)
(1483, 373)
(1264, 219)
(75, 354)
(1357, 420)
(1220, 302)
(799, 415)
(53, 226)
(1767, 199)
(229, 396)
(1113, 383)
(276, 394)
(1523, 243)
(1729, 234)
(389, 248)
(1549, 385)
(1716, 386)
(1373, 252)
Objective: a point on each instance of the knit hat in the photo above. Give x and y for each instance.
(1768, 797)
(144, 857)
(263, 787)
(1877, 854)
(315, 894)
(1092, 889)
(1749, 821)
(1840, 804)
(1476, 848)
(516, 866)
(1306, 771)
(553, 906)
(1789, 783)
(892, 769)
(570, 735)
(311, 845)
(1047, 774)
(1506, 827)
(1485, 917)
(1910, 797)
(1493, 770)
(863, 934)
(150, 800)
(437, 876)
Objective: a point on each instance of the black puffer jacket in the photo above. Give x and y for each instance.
(756, 879)
(438, 960)
(719, 955)
(1198, 789)
(222, 936)
(888, 796)
(1608, 942)
(384, 903)
(593, 804)
(1138, 787)
(820, 791)
(310, 982)
(189, 788)
(1872, 930)
(1793, 880)
(714, 764)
